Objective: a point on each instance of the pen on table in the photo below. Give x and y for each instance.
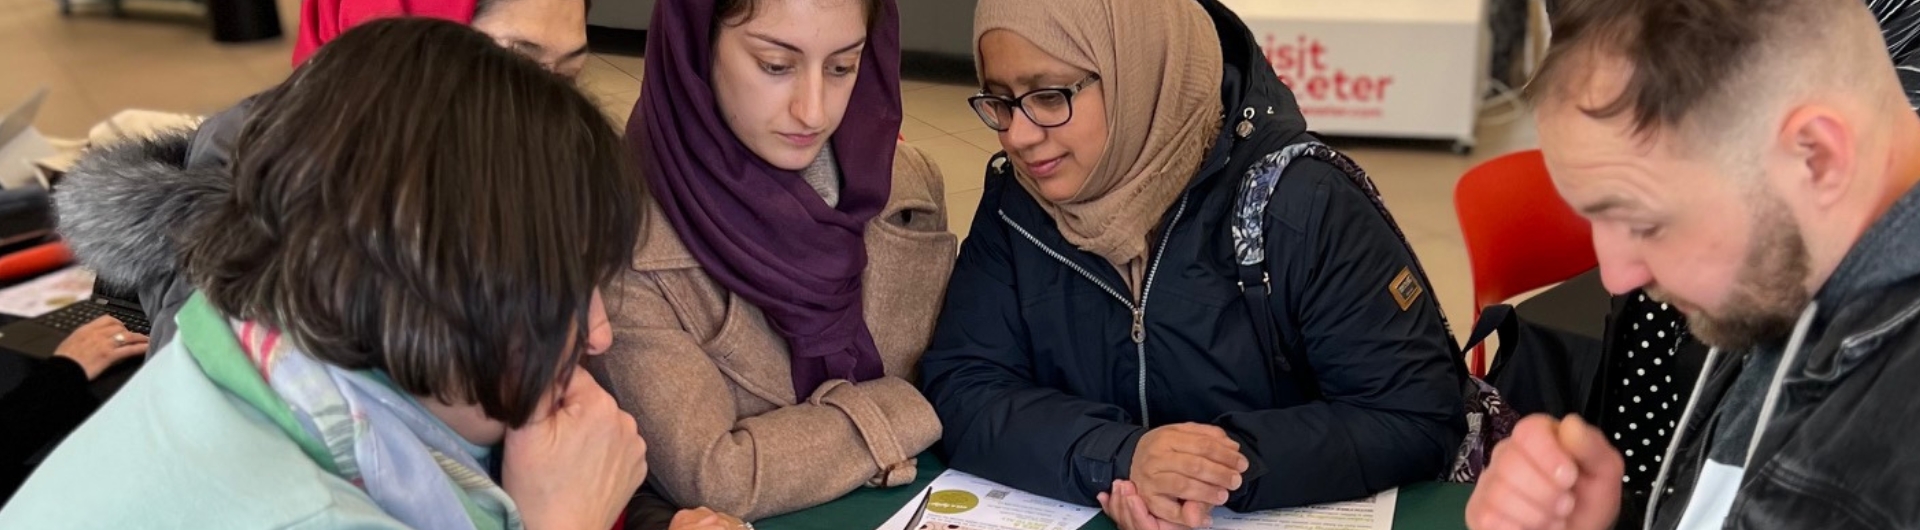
(921, 511)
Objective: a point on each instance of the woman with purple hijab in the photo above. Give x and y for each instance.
(795, 258)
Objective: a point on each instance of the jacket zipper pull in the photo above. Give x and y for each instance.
(1139, 325)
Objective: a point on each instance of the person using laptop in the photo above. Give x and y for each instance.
(393, 304)
(53, 398)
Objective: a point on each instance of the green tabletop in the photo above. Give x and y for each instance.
(1424, 506)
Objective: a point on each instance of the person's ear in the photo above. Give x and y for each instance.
(1817, 147)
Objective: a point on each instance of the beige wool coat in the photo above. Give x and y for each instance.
(709, 381)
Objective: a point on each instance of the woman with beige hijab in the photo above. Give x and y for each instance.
(1173, 297)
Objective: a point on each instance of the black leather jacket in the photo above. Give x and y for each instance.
(1840, 449)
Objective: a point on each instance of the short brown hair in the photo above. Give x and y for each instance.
(419, 200)
(1686, 55)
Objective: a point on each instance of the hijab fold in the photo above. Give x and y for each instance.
(759, 231)
(1160, 70)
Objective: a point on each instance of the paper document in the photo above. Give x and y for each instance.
(1372, 513)
(47, 293)
(959, 501)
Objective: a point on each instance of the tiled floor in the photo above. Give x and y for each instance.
(162, 59)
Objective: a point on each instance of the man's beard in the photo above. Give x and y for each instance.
(1769, 292)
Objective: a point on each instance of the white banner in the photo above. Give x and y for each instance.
(1389, 68)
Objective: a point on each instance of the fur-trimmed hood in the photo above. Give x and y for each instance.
(123, 207)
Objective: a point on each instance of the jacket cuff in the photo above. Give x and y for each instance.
(872, 424)
(1105, 454)
(67, 372)
(1256, 468)
(914, 425)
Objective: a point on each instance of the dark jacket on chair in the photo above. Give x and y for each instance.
(1040, 384)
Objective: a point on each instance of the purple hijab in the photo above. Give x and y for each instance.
(761, 231)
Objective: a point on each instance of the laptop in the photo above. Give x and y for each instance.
(38, 336)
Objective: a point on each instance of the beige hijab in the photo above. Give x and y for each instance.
(1160, 66)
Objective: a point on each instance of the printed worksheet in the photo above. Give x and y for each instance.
(1372, 513)
(959, 501)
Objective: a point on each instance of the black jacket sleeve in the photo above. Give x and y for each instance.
(1392, 411)
(649, 510)
(48, 404)
(978, 373)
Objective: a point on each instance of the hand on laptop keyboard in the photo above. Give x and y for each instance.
(101, 343)
(72, 317)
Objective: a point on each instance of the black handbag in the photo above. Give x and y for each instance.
(1537, 368)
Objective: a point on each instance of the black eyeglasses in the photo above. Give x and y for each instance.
(1047, 107)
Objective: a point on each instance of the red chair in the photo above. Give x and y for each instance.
(1520, 234)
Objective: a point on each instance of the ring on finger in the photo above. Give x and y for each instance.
(120, 339)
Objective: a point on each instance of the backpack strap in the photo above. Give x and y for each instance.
(1250, 251)
(1256, 281)
(1496, 318)
(1256, 288)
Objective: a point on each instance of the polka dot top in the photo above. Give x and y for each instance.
(1650, 370)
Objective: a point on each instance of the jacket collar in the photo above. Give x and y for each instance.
(1250, 93)
(1861, 302)
(1883, 256)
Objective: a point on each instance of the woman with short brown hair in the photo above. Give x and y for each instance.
(394, 296)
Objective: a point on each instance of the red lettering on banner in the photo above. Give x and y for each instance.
(1302, 66)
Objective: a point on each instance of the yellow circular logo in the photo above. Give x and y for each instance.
(950, 502)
